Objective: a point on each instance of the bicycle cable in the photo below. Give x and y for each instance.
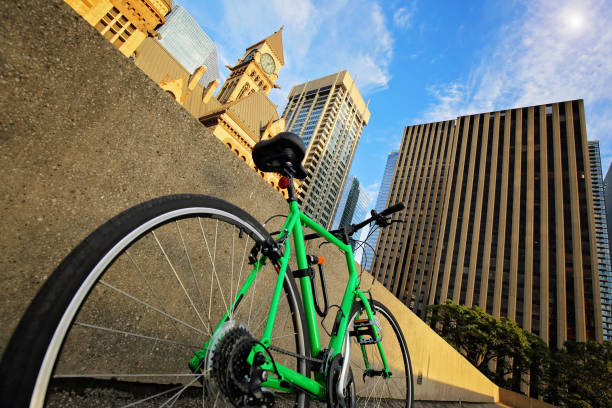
(272, 217)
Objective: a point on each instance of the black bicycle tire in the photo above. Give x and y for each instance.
(24, 354)
(399, 334)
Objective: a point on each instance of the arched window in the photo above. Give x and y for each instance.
(244, 90)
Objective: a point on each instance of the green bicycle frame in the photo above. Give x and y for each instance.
(290, 379)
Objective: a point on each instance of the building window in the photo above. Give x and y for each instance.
(115, 27)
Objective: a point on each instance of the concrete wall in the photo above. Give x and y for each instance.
(85, 134)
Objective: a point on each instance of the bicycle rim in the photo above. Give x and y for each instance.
(151, 297)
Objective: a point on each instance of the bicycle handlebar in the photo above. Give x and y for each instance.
(394, 208)
(380, 219)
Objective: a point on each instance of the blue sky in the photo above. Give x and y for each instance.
(423, 61)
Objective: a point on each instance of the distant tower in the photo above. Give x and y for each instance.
(187, 42)
(256, 71)
(353, 204)
(328, 114)
(602, 237)
(381, 204)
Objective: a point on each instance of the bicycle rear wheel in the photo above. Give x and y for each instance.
(376, 390)
(136, 299)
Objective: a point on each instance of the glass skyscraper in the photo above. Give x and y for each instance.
(353, 204)
(381, 202)
(328, 114)
(601, 235)
(352, 209)
(187, 42)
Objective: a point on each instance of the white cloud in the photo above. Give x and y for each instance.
(555, 51)
(319, 38)
(372, 190)
(403, 17)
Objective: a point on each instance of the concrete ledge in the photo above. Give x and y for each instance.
(513, 399)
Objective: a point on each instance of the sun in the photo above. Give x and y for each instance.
(573, 19)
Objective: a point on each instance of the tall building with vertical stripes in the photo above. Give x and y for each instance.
(500, 215)
(329, 115)
(601, 235)
(406, 250)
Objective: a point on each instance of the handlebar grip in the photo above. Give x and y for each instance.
(394, 208)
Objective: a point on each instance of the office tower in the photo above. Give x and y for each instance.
(607, 297)
(406, 251)
(607, 186)
(352, 209)
(124, 24)
(353, 204)
(381, 204)
(514, 231)
(187, 42)
(329, 115)
(601, 236)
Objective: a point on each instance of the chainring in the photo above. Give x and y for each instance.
(333, 376)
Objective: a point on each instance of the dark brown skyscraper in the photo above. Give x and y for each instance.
(505, 221)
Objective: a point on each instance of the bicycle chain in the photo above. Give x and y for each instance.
(296, 355)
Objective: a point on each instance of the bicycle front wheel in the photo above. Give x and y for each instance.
(128, 308)
(373, 389)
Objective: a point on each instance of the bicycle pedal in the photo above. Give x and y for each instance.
(363, 331)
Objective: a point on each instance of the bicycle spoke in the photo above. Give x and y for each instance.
(151, 289)
(283, 336)
(195, 281)
(239, 280)
(153, 308)
(180, 281)
(213, 272)
(373, 393)
(232, 296)
(275, 330)
(91, 326)
(178, 394)
(254, 290)
(151, 397)
(268, 296)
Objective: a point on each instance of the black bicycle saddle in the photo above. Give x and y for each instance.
(272, 155)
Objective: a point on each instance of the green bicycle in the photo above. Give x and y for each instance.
(187, 300)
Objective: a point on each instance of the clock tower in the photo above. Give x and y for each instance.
(256, 71)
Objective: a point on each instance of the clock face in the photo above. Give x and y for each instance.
(267, 63)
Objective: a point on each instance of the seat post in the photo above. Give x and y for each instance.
(289, 173)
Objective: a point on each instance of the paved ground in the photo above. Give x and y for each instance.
(115, 394)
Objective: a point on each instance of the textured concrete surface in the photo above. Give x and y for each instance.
(84, 134)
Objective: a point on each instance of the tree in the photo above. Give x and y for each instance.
(482, 338)
(581, 375)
